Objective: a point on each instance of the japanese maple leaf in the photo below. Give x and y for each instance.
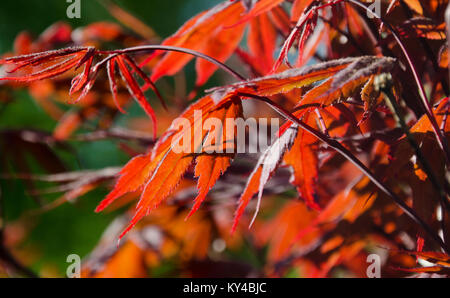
(159, 173)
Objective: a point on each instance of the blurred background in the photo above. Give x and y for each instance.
(70, 228)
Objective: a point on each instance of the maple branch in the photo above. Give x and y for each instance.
(386, 135)
(152, 48)
(442, 141)
(355, 161)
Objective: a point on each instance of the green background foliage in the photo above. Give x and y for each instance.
(71, 228)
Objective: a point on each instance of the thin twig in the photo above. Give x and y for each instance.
(116, 133)
(152, 48)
